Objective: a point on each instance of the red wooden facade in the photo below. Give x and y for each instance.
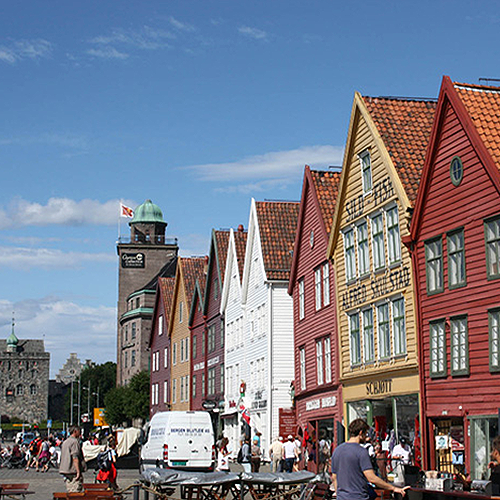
(160, 349)
(197, 325)
(317, 392)
(460, 392)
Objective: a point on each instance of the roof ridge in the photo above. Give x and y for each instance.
(402, 98)
(476, 87)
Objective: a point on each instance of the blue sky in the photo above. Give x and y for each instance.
(198, 105)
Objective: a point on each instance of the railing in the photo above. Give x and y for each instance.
(147, 241)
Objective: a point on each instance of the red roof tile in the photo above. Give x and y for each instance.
(193, 268)
(483, 105)
(277, 224)
(405, 127)
(240, 243)
(326, 184)
(222, 242)
(167, 286)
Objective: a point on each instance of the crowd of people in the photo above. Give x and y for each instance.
(40, 453)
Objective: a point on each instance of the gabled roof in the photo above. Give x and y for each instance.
(325, 188)
(400, 129)
(277, 225)
(240, 245)
(478, 110)
(193, 269)
(405, 127)
(165, 293)
(326, 184)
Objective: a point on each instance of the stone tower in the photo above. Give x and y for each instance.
(141, 258)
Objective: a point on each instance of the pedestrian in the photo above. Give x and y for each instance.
(72, 464)
(298, 452)
(246, 455)
(108, 473)
(289, 454)
(255, 460)
(223, 455)
(42, 460)
(352, 469)
(276, 454)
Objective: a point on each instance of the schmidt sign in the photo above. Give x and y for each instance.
(133, 260)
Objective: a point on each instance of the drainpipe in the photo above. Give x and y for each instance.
(270, 404)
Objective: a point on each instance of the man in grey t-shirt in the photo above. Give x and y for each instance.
(352, 469)
(72, 465)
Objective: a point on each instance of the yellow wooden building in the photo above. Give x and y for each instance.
(378, 358)
(189, 269)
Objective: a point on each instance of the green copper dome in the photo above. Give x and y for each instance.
(148, 212)
(12, 340)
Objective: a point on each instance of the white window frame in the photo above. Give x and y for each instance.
(354, 339)
(174, 391)
(301, 298)
(165, 357)
(393, 235)
(320, 379)
(174, 354)
(326, 284)
(366, 166)
(399, 332)
(349, 254)
(456, 258)
(165, 392)
(363, 252)
(368, 338)
(181, 311)
(384, 341)
(317, 287)
(434, 261)
(327, 348)
(378, 241)
(302, 355)
(160, 324)
(494, 339)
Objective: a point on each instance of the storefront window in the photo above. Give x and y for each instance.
(483, 431)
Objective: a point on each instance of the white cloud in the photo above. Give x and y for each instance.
(255, 33)
(107, 53)
(257, 187)
(19, 50)
(65, 326)
(62, 139)
(22, 258)
(273, 165)
(180, 25)
(61, 211)
(194, 244)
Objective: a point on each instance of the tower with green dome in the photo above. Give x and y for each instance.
(142, 256)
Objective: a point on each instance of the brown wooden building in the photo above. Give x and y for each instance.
(455, 242)
(318, 401)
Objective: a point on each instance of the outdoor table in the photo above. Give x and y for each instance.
(193, 485)
(273, 485)
(415, 493)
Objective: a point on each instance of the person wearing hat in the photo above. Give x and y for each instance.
(276, 454)
(289, 453)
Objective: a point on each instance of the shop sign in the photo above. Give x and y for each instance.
(316, 404)
(379, 387)
(328, 402)
(260, 404)
(213, 361)
(133, 260)
(287, 422)
(232, 404)
(199, 366)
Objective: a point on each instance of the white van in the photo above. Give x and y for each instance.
(179, 440)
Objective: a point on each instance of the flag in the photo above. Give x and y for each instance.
(245, 414)
(126, 211)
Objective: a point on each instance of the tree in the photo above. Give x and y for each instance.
(123, 404)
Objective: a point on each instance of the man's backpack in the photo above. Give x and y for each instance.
(239, 458)
(104, 461)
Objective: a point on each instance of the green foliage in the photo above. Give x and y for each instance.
(128, 402)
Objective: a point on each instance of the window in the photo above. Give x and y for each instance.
(368, 337)
(434, 265)
(211, 338)
(366, 171)
(174, 390)
(203, 385)
(492, 238)
(317, 287)
(393, 238)
(399, 326)
(160, 324)
(350, 257)
(354, 338)
(157, 393)
(181, 310)
(182, 389)
(193, 346)
(456, 259)
(363, 252)
(211, 381)
(186, 387)
(328, 360)
(193, 390)
(125, 359)
(459, 346)
(301, 298)
(32, 389)
(494, 332)
(216, 288)
(456, 171)
(19, 390)
(133, 331)
(165, 391)
(165, 357)
(182, 352)
(437, 339)
(222, 377)
(378, 242)
(302, 352)
(222, 333)
(319, 361)
(384, 333)
(326, 284)
(174, 354)
(132, 359)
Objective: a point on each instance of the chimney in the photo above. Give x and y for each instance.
(240, 228)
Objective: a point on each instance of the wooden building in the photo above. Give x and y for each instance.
(160, 347)
(189, 271)
(378, 361)
(318, 401)
(455, 239)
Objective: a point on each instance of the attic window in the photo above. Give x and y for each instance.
(456, 171)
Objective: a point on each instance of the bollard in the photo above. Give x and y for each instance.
(135, 493)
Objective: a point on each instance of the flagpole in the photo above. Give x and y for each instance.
(119, 220)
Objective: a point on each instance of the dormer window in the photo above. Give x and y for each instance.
(366, 171)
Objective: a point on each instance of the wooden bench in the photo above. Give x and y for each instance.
(11, 490)
(89, 494)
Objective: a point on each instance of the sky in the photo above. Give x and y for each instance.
(196, 105)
